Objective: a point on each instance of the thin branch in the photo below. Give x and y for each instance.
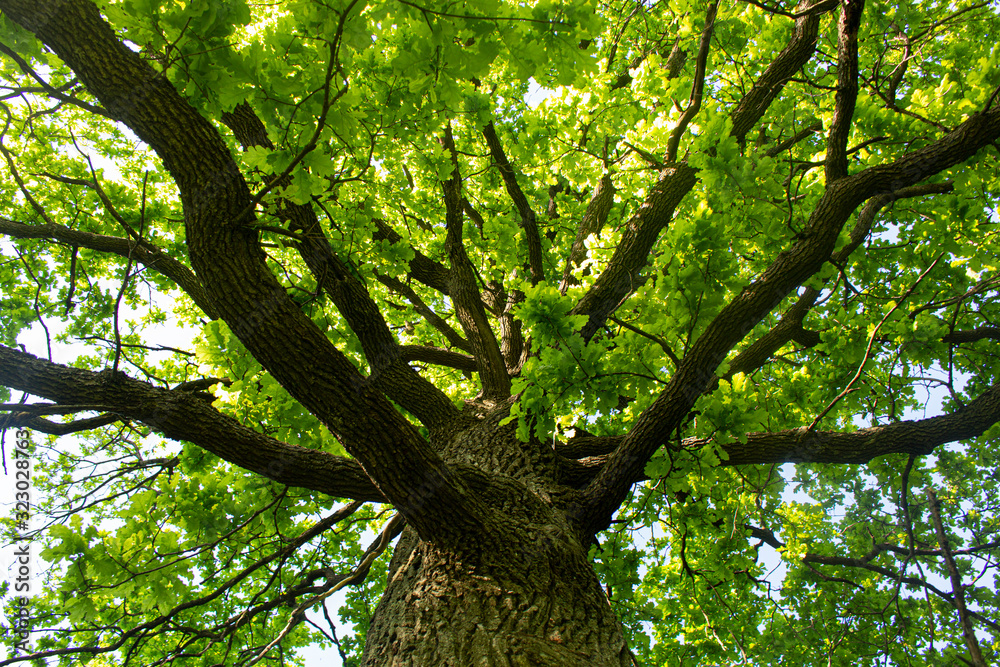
(391, 530)
(48, 89)
(165, 620)
(27, 420)
(432, 318)
(805, 132)
(656, 339)
(958, 590)
(694, 104)
(332, 67)
(143, 252)
(871, 342)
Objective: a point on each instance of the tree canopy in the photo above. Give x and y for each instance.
(540, 297)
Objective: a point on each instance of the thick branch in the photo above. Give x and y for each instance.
(621, 276)
(582, 459)
(919, 437)
(784, 66)
(389, 372)
(790, 326)
(789, 270)
(465, 294)
(528, 219)
(423, 269)
(592, 223)
(511, 338)
(847, 89)
(143, 252)
(227, 257)
(185, 415)
(438, 356)
(974, 335)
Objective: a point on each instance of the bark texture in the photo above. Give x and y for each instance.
(535, 600)
(492, 568)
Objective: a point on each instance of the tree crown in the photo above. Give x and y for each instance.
(723, 237)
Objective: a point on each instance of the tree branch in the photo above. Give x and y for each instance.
(790, 326)
(226, 255)
(29, 420)
(425, 311)
(591, 223)
(958, 591)
(465, 292)
(621, 275)
(187, 416)
(785, 65)
(694, 104)
(48, 89)
(528, 219)
(143, 252)
(438, 356)
(423, 269)
(165, 620)
(847, 89)
(977, 334)
(809, 129)
(788, 271)
(389, 372)
(891, 574)
(919, 437)
(582, 459)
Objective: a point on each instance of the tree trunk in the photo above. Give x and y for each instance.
(520, 608)
(529, 597)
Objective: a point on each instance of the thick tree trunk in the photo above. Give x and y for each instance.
(537, 609)
(526, 596)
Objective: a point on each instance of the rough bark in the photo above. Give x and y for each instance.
(537, 603)
(542, 607)
(492, 568)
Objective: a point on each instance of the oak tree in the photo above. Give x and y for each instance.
(547, 292)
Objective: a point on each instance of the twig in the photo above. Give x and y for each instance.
(388, 534)
(871, 342)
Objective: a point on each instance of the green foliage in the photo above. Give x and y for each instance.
(709, 563)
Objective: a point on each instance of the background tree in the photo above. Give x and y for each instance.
(556, 351)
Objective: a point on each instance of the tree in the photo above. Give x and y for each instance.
(555, 350)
